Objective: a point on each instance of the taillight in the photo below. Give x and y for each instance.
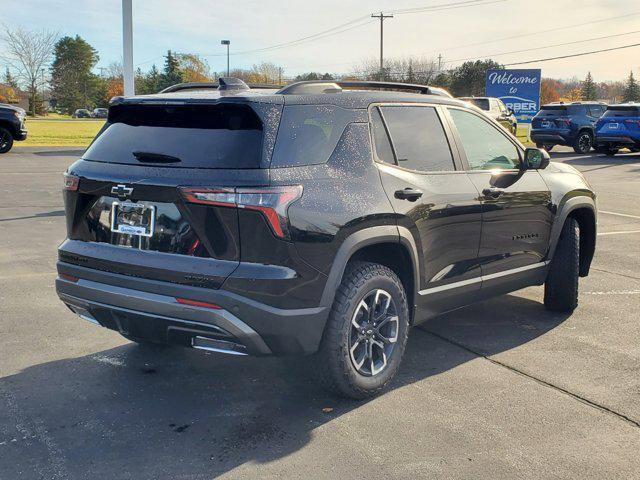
(70, 182)
(272, 202)
(563, 121)
(633, 121)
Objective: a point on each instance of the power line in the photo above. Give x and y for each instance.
(575, 54)
(538, 32)
(542, 48)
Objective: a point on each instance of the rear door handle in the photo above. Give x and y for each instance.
(411, 194)
(492, 192)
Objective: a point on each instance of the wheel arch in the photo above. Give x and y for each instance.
(583, 210)
(4, 123)
(388, 245)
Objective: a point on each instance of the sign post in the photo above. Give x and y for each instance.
(519, 89)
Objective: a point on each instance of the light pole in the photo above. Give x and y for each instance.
(227, 43)
(127, 48)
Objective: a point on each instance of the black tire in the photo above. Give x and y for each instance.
(583, 142)
(335, 363)
(561, 287)
(6, 140)
(611, 151)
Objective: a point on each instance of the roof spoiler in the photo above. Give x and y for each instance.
(313, 87)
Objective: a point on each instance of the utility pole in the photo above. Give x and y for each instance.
(227, 43)
(439, 63)
(381, 16)
(127, 47)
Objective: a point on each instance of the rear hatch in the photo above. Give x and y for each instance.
(552, 117)
(620, 120)
(151, 196)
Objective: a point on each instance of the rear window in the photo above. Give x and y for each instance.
(186, 136)
(553, 111)
(622, 112)
(481, 103)
(308, 134)
(418, 138)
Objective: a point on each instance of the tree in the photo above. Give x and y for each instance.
(149, 82)
(631, 90)
(9, 79)
(193, 68)
(549, 91)
(469, 79)
(29, 53)
(171, 74)
(73, 83)
(588, 88)
(313, 76)
(573, 95)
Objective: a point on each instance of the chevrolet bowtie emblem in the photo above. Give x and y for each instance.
(121, 191)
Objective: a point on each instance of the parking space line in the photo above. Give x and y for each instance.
(619, 214)
(619, 232)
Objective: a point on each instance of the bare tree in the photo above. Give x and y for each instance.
(405, 69)
(29, 53)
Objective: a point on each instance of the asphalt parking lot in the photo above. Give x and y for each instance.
(503, 389)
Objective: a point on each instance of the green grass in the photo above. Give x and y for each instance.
(54, 132)
(64, 131)
(523, 136)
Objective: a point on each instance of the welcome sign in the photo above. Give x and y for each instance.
(519, 89)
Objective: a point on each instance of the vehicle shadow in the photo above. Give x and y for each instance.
(53, 213)
(134, 412)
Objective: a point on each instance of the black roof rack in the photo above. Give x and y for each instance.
(224, 83)
(312, 87)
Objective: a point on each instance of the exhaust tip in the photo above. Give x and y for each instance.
(218, 346)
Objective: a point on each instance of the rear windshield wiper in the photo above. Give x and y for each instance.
(155, 157)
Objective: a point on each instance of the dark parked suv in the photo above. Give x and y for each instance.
(315, 219)
(570, 124)
(12, 126)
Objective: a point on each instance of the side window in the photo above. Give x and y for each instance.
(381, 139)
(418, 138)
(486, 148)
(596, 110)
(494, 105)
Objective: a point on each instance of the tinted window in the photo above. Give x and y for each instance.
(481, 103)
(596, 110)
(308, 134)
(418, 138)
(622, 112)
(553, 111)
(578, 110)
(221, 136)
(485, 146)
(381, 139)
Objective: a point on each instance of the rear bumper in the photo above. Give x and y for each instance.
(616, 140)
(549, 137)
(148, 309)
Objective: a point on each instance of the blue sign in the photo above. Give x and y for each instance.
(518, 89)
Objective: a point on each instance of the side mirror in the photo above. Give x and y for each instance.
(536, 159)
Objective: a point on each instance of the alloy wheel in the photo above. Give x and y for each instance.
(584, 142)
(373, 333)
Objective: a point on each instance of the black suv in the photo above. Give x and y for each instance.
(571, 124)
(12, 126)
(315, 219)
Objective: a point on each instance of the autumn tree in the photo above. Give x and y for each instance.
(549, 91)
(193, 68)
(588, 89)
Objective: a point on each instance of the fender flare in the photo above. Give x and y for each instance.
(564, 209)
(364, 238)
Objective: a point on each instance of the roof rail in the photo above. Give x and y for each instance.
(311, 87)
(225, 83)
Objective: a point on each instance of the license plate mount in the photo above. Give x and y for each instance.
(133, 218)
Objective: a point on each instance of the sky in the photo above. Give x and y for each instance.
(464, 32)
